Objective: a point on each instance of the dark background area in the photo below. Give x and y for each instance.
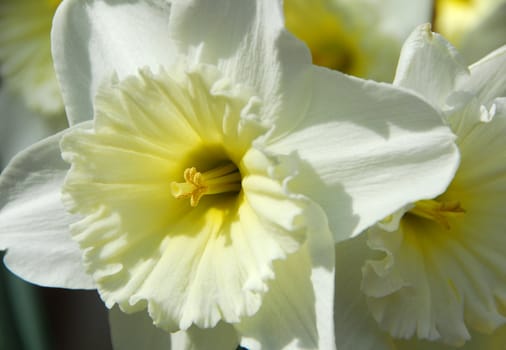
(37, 318)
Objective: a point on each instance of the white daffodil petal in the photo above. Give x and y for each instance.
(287, 318)
(374, 150)
(20, 127)
(427, 54)
(91, 40)
(355, 328)
(320, 240)
(483, 144)
(296, 313)
(487, 77)
(247, 39)
(39, 249)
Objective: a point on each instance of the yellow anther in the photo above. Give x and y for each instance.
(439, 211)
(222, 179)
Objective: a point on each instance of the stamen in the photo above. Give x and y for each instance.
(437, 211)
(219, 180)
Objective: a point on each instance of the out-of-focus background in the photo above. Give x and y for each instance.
(37, 318)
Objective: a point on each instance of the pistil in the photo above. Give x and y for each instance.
(223, 179)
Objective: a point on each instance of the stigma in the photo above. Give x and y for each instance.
(223, 179)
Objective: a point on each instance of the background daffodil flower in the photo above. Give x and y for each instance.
(438, 273)
(475, 27)
(218, 170)
(31, 106)
(364, 37)
(355, 328)
(357, 37)
(25, 54)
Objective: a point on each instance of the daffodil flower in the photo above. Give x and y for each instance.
(25, 54)
(358, 37)
(31, 106)
(218, 170)
(356, 329)
(475, 27)
(436, 268)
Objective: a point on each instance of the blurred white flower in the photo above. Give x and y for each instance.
(475, 27)
(358, 37)
(31, 106)
(25, 54)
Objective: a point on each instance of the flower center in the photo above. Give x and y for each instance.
(222, 179)
(453, 18)
(438, 211)
(323, 29)
(334, 56)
